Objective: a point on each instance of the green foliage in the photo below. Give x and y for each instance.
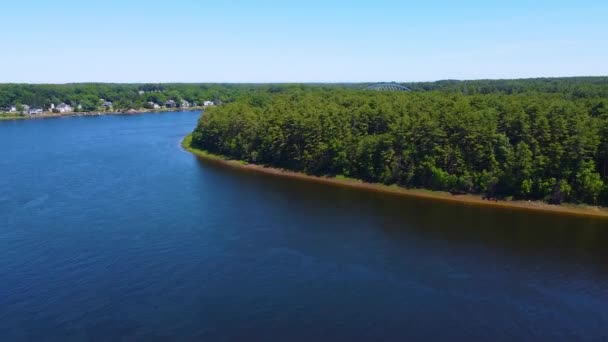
(544, 139)
(587, 183)
(123, 96)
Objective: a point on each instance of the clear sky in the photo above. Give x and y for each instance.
(59, 41)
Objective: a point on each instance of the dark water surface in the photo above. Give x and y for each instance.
(109, 231)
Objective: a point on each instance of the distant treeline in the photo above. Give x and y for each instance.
(127, 96)
(122, 96)
(570, 87)
(540, 139)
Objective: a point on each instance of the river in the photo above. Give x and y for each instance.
(110, 231)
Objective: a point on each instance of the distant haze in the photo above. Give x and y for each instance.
(301, 41)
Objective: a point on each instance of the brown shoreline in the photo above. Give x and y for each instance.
(567, 209)
(48, 115)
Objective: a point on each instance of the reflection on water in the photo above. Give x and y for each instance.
(581, 239)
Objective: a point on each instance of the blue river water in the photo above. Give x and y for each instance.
(109, 231)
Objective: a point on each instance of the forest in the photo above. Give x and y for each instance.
(539, 139)
(536, 139)
(135, 96)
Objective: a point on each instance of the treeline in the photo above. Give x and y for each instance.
(569, 87)
(127, 96)
(534, 143)
(122, 96)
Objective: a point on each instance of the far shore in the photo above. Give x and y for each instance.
(565, 209)
(46, 115)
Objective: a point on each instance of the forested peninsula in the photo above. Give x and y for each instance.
(536, 139)
(542, 139)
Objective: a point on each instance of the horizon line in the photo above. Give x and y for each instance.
(306, 82)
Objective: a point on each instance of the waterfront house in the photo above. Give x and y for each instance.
(170, 104)
(26, 108)
(107, 104)
(153, 105)
(185, 104)
(34, 111)
(64, 108)
(208, 103)
(51, 107)
(12, 109)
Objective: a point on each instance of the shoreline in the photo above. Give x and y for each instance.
(564, 209)
(48, 115)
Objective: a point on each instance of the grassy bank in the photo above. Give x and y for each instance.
(11, 116)
(46, 115)
(566, 209)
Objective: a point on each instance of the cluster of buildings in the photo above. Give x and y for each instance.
(182, 104)
(26, 109)
(106, 105)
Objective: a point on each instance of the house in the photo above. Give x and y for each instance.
(12, 109)
(34, 111)
(208, 103)
(153, 105)
(26, 108)
(51, 107)
(170, 104)
(79, 107)
(185, 104)
(63, 108)
(107, 104)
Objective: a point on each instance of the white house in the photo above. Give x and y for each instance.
(51, 107)
(63, 108)
(185, 104)
(34, 111)
(208, 103)
(12, 109)
(153, 105)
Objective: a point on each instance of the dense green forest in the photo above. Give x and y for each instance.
(127, 96)
(540, 139)
(543, 139)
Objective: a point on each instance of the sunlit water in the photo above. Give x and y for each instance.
(109, 231)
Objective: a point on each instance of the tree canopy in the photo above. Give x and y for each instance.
(123, 96)
(541, 139)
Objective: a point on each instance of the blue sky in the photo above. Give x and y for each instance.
(299, 41)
